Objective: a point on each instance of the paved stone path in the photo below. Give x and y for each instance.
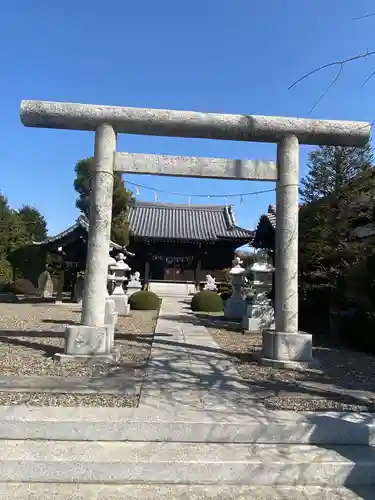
(187, 368)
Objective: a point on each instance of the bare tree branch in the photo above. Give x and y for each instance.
(335, 63)
(327, 89)
(367, 79)
(363, 17)
(340, 64)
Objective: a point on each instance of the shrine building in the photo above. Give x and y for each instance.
(171, 242)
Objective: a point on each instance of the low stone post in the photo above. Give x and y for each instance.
(285, 346)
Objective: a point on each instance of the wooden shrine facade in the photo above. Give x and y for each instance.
(170, 242)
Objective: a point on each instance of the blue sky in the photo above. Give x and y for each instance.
(236, 56)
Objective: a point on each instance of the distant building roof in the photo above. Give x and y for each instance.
(167, 221)
(80, 223)
(265, 232)
(185, 222)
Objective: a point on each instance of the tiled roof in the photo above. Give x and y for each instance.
(266, 226)
(185, 222)
(271, 215)
(80, 222)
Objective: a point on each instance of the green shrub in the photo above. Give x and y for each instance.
(6, 272)
(207, 301)
(144, 301)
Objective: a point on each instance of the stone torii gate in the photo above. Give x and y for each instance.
(283, 347)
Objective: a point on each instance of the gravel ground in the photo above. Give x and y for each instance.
(48, 399)
(32, 333)
(339, 368)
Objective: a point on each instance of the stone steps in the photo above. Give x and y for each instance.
(182, 463)
(151, 425)
(60, 491)
(165, 289)
(141, 453)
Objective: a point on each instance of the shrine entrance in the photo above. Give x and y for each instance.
(177, 269)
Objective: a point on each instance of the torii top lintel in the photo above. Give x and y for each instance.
(163, 122)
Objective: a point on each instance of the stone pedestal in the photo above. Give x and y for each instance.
(259, 316)
(121, 304)
(133, 287)
(287, 350)
(92, 343)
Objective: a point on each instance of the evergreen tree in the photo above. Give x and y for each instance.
(34, 222)
(330, 167)
(122, 199)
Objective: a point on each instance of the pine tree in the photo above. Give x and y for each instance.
(330, 167)
(122, 199)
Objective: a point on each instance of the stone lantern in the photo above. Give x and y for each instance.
(118, 271)
(259, 308)
(235, 305)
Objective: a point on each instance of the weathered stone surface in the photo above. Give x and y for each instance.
(37, 491)
(182, 463)
(286, 254)
(121, 304)
(95, 289)
(255, 425)
(164, 122)
(87, 340)
(288, 350)
(186, 166)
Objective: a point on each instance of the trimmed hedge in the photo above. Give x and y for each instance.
(144, 301)
(207, 301)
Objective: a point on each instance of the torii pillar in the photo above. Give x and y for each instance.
(283, 347)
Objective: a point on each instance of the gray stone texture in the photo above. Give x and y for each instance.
(87, 340)
(164, 122)
(287, 348)
(95, 289)
(67, 491)
(184, 463)
(253, 425)
(110, 320)
(286, 255)
(121, 304)
(186, 166)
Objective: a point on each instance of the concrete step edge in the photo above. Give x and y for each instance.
(61, 491)
(196, 432)
(331, 474)
(181, 452)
